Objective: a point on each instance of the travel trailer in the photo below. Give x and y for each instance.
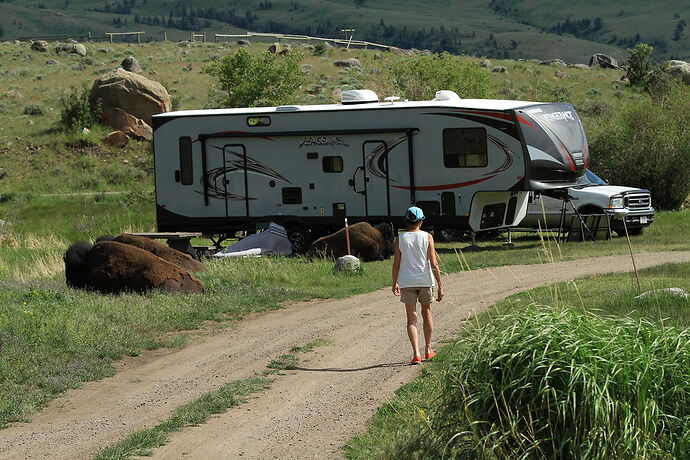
(468, 163)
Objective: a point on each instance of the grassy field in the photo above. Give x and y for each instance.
(601, 374)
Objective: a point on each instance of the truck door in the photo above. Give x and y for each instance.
(377, 179)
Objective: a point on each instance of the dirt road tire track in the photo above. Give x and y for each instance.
(308, 413)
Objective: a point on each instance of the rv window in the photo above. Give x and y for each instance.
(333, 164)
(464, 148)
(292, 195)
(186, 162)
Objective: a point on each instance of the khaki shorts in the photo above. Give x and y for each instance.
(411, 294)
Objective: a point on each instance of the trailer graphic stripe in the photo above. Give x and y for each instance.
(444, 186)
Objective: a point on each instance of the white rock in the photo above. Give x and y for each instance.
(346, 264)
(671, 292)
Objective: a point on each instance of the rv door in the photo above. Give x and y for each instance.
(225, 178)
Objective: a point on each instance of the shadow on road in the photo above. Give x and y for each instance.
(354, 369)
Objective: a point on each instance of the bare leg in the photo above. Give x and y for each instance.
(428, 326)
(411, 310)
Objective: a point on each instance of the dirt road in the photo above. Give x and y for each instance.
(308, 413)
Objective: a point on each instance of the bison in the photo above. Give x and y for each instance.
(366, 242)
(112, 267)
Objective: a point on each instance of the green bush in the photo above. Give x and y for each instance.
(77, 112)
(640, 63)
(418, 78)
(246, 80)
(647, 145)
(543, 383)
(34, 109)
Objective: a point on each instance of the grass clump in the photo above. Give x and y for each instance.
(284, 362)
(77, 112)
(191, 414)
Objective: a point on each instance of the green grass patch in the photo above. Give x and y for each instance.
(598, 376)
(284, 362)
(309, 346)
(194, 413)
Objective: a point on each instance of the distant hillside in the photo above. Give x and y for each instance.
(496, 28)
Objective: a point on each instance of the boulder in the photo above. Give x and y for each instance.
(132, 93)
(680, 69)
(116, 139)
(351, 62)
(73, 48)
(485, 63)
(111, 267)
(243, 43)
(603, 61)
(500, 69)
(104, 50)
(279, 48)
(130, 64)
(161, 250)
(558, 62)
(120, 120)
(563, 75)
(347, 264)
(366, 242)
(40, 45)
(580, 66)
(670, 292)
(52, 62)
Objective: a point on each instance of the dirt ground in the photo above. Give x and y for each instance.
(307, 413)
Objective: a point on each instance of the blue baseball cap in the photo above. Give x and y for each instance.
(414, 214)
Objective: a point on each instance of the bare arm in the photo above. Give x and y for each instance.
(431, 253)
(396, 268)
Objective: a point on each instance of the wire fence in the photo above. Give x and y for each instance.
(202, 37)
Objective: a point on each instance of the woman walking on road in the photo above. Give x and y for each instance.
(415, 274)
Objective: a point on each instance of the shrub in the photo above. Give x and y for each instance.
(247, 80)
(543, 383)
(117, 174)
(33, 109)
(418, 78)
(77, 113)
(640, 63)
(647, 145)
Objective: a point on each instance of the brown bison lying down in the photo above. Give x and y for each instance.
(114, 267)
(164, 252)
(367, 242)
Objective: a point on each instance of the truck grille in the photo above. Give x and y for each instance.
(637, 201)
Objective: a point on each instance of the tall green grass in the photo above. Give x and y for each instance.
(600, 376)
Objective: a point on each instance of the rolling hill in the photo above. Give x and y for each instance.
(496, 28)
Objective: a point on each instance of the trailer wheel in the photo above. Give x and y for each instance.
(300, 238)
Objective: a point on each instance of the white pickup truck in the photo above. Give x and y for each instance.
(595, 196)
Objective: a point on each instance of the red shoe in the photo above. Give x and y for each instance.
(429, 355)
(416, 360)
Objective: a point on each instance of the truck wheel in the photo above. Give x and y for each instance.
(300, 238)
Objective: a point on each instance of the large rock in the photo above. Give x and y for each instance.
(669, 292)
(243, 43)
(603, 61)
(40, 45)
(133, 93)
(681, 69)
(366, 242)
(120, 120)
(111, 267)
(500, 69)
(279, 48)
(352, 62)
(116, 139)
(580, 66)
(558, 62)
(73, 48)
(347, 264)
(130, 64)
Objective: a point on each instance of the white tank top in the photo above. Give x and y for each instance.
(415, 267)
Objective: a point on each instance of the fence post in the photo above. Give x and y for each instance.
(111, 38)
(139, 39)
(204, 37)
(165, 36)
(88, 38)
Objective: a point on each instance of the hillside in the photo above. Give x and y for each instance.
(496, 28)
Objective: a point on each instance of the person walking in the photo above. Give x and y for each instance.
(415, 274)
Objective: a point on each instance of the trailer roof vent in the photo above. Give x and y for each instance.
(446, 95)
(358, 96)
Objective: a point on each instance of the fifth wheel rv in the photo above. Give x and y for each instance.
(468, 163)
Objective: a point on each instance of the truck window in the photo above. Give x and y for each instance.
(186, 162)
(333, 164)
(464, 148)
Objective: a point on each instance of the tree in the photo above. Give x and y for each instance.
(246, 80)
(640, 63)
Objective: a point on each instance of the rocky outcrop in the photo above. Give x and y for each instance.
(130, 64)
(279, 48)
(72, 48)
(40, 45)
(681, 69)
(120, 120)
(558, 62)
(603, 61)
(351, 62)
(131, 93)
